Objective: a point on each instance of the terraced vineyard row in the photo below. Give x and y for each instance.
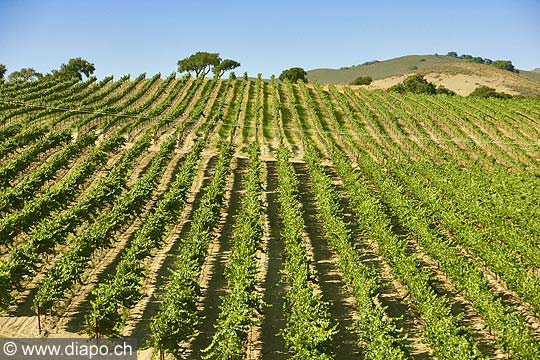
(239, 218)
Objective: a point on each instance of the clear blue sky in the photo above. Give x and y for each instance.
(122, 37)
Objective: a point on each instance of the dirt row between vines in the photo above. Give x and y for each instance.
(105, 260)
(161, 262)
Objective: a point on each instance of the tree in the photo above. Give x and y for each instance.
(75, 68)
(224, 66)
(294, 74)
(201, 63)
(452, 54)
(415, 84)
(504, 65)
(362, 80)
(3, 71)
(25, 74)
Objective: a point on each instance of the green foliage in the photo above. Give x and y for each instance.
(52, 231)
(487, 92)
(477, 60)
(378, 336)
(443, 90)
(25, 74)
(224, 66)
(370, 62)
(362, 80)
(415, 84)
(501, 64)
(122, 290)
(504, 65)
(9, 169)
(177, 318)
(15, 196)
(242, 304)
(294, 74)
(70, 266)
(310, 329)
(75, 68)
(3, 71)
(201, 63)
(451, 195)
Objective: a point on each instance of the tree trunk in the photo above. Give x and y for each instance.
(39, 320)
(207, 70)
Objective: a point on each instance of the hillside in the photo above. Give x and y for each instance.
(458, 75)
(378, 70)
(142, 207)
(533, 75)
(464, 77)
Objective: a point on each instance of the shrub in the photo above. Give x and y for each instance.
(415, 84)
(362, 80)
(444, 90)
(477, 60)
(487, 92)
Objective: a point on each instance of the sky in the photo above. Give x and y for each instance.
(131, 37)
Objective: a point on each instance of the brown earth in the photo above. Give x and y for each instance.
(463, 78)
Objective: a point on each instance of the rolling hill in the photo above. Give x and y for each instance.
(458, 75)
(379, 69)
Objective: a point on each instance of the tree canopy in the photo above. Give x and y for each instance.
(416, 84)
(75, 68)
(294, 74)
(444, 90)
(3, 71)
(501, 64)
(201, 63)
(224, 66)
(362, 80)
(25, 74)
(504, 64)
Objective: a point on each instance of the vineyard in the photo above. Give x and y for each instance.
(251, 219)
